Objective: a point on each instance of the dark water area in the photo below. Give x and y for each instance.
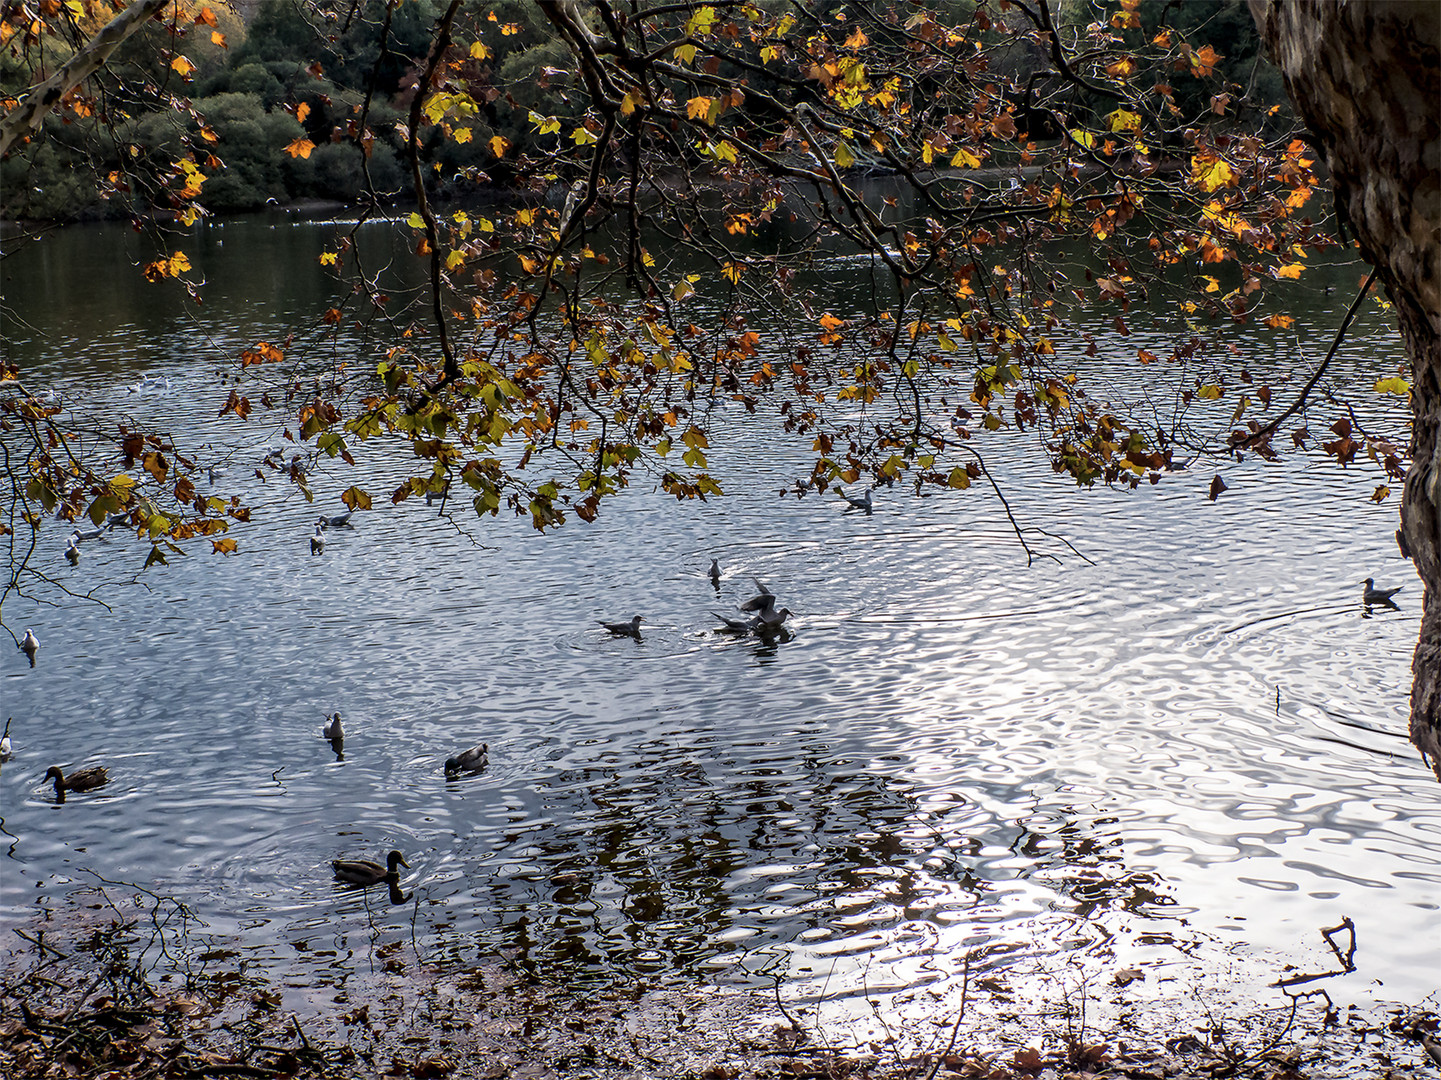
(1189, 750)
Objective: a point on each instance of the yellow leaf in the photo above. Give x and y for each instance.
(844, 158)
(1212, 285)
(545, 125)
(226, 546)
(183, 66)
(732, 272)
(964, 159)
(415, 221)
(629, 103)
(1290, 270)
(1085, 138)
(499, 144)
(453, 260)
(1121, 120)
(478, 51)
(179, 263)
(581, 137)
(327, 258)
(463, 135)
(217, 38)
(1209, 393)
(697, 108)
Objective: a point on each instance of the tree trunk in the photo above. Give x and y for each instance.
(1365, 75)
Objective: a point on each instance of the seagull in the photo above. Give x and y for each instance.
(112, 520)
(737, 626)
(762, 602)
(317, 542)
(336, 522)
(332, 730)
(30, 645)
(715, 572)
(629, 629)
(863, 503)
(772, 619)
(5, 742)
(1373, 595)
(72, 551)
(93, 534)
(472, 760)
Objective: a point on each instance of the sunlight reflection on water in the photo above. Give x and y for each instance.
(1199, 737)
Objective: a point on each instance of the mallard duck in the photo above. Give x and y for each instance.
(317, 542)
(336, 522)
(84, 780)
(30, 645)
(1373, 595)
(472, 760)
(365, 872)
(332, 729)
(629, 629)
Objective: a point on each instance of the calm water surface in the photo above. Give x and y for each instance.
(1194, 742)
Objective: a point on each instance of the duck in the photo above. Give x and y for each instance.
(365, 872)
(317, 542)
(84, 780)
(715, 573)
(863, 503)
(472, 760)
(339, 521)
(332, 730)
(1372, 595)
(629, 629)
(30, 645)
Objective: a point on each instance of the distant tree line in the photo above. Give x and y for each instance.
(270, 111)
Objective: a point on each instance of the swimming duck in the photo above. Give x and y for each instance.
(84, 780)
(365, 872)
(1372, 595)
(317, 542)
(30, 645)
(336, 522)
(472, 760)
(332, 730)
(629, 629)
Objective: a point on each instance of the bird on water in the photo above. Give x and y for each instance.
(365, 872)
(1372, 595)
(628, 629)
(472, 760)
(84, 780)
(30, 645)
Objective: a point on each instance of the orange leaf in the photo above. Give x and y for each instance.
(300, 148)
(183, 66)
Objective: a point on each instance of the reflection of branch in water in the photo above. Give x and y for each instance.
(1346, 960)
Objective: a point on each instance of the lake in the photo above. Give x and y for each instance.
(1184, 752)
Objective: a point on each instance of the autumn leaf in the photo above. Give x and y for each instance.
(498, 144)
(226, 546)
(1281, 322)
(183, 66)
(300, 147)
(217, 38)
(356, 499)
(156, 465)
(1217, 486)
(478, 51)
(327, 258)
(1290, 270)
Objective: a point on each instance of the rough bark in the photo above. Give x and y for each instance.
(25, 118)
(1365, 75)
